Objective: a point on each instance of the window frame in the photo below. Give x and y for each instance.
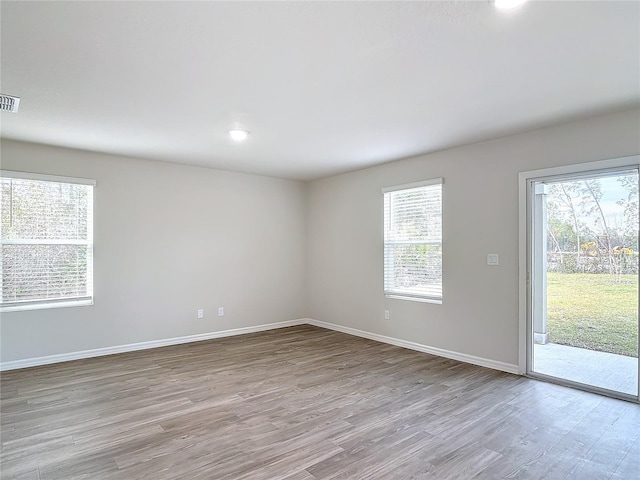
(387, 269)
(45, 303)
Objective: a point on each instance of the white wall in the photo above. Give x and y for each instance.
(479, 314)
(169, 239)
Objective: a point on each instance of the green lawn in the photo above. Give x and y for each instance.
(593, 311)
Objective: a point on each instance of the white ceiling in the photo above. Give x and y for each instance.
(323, 87)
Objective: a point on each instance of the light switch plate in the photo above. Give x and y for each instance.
(493, 259)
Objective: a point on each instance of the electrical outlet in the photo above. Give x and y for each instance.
(200, 313)
(387, 316)
(221, 311)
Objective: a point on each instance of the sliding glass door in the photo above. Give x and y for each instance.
(583, 280)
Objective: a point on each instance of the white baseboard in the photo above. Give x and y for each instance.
(98, 352)
(462, 357)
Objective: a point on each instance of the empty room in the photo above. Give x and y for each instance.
(319, 240)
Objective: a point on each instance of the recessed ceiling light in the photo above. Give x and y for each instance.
(238, 135)
(507, 4)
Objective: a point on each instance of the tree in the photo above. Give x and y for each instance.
(592, 194)
(580, 220)
(630, 204)
(562, 213)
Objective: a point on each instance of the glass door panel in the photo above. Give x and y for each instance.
(584, 280)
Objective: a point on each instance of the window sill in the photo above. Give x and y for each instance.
(44, 306)
(416, 299)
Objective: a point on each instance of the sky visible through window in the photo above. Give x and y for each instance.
(614, 199)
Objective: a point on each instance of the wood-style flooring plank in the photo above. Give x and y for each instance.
(304, 403)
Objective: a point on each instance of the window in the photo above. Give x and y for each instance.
(413, 241)
(47, 241)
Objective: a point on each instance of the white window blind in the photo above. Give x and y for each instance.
(413, 241)
(47, 241)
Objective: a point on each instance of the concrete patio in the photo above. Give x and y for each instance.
(600, 369)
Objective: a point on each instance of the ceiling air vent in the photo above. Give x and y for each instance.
(9, 103)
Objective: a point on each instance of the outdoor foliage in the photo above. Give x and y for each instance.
(413, 241)
(583, 237)
(417, 264)
(45, 233)
(592, 263)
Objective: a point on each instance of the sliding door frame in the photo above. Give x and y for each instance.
(525, 343)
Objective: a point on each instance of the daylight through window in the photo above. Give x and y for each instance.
(413, 241)
(47, 241)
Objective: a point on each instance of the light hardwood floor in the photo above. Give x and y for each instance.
(305, 403)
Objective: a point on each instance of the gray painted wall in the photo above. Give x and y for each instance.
(479, 313)
(169, 239)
